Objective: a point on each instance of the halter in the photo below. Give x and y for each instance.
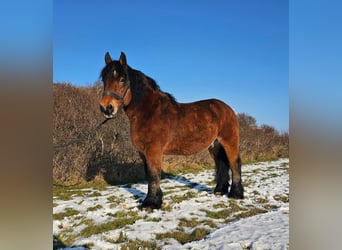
(116, 96)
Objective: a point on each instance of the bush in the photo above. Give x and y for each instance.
(84, 153)
(261, 143)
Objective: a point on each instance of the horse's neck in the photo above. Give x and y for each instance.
(140, 107)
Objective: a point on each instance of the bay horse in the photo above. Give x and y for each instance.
(160, 125)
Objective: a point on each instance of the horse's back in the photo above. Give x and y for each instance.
(209, 110)
(198, 124)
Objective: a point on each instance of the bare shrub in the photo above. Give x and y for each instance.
(83, 153)
(261, 143)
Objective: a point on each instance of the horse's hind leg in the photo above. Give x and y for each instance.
(236, 190)
(232, 150)
(218, 153)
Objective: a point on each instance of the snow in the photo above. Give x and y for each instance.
(266, 189)
(264, 231)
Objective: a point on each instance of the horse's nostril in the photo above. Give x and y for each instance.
(103, 110)
(110, 108)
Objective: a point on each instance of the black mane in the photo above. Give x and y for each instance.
(137, 79)
(153, 84)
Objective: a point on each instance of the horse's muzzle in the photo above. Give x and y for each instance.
(108, 111)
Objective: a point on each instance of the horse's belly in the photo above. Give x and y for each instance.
(183, 151)
(191, 136)
(188, 146)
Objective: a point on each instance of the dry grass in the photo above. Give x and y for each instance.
(184, 237)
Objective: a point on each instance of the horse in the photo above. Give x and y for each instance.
(160, 125)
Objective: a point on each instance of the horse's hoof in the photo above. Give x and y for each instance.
(150, 205)
(218, 193)
(221, 190)
(236, 191)
(235, 196)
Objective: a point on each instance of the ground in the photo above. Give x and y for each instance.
(192, 217)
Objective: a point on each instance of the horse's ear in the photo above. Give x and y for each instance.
(108, 59)
(123, 60)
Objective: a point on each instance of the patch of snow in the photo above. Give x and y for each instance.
(263, 231)
(266, 188)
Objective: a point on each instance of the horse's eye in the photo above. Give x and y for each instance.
(122, 80)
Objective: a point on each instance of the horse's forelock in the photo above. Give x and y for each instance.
(111, 70)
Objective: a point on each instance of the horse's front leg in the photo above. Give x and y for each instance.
(152, 163)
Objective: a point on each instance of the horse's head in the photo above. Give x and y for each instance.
(116, 91)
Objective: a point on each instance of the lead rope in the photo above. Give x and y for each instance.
(81, 138)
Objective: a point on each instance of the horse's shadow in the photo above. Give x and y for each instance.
(140, 195)
(123, 172)
(191, 184)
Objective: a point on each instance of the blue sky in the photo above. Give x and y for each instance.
(236, 51)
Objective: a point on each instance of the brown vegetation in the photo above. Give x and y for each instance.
(106, 152)
(84, 153)
(262, 143)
